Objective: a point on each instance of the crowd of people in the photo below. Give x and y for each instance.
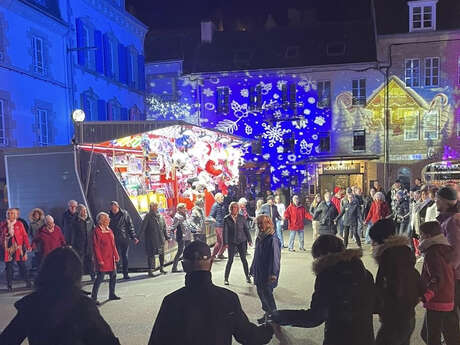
(401, 225)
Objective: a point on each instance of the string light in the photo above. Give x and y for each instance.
(168, 109)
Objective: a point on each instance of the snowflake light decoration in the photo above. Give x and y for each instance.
(274, 134)
(208, 92)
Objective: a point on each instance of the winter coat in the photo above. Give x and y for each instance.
(351, 213)
(402, 212)
(105, 250)
(266, 262)
(71, 319)
(218, 212)
(344, 299)
(47, 241)
(379, 210)
(431, 213)
(181, 227)
(367, 203)
(326, 214)
(265, 209)
(35, 225)
(423, 209)
(198, 220)
(154, 229)
(236, 232)
(81, 238)
(122, 226)
(398, 282)
(14, 248)
(205, 314)
(450, 225)
(295, 216)
(438, 274)
(394, 200)
(67, 224)
(337, 203)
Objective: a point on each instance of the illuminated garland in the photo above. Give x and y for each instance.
(168, 109)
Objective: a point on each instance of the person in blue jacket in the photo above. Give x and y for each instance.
(265, 266)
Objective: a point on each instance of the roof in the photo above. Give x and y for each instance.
(51, 7)
(393, 16)
(313, 43)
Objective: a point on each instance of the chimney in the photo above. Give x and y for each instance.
(207, 31)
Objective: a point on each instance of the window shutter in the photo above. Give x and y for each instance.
(129, 66)
(99, 51)
(124, 114)
(122, 64)
(101, 110)
(108, 59)
(109, 112)
(141, 72)
(80, 42)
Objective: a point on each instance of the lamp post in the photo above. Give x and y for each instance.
(78, 116)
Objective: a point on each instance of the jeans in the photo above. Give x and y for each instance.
(265, 293)
(440, 322)
(219, 248)
(151, 261)
(340, 227)
(369, 226)
(279, 231)
(242, 249)
(354, 232)
(181, 245)
(122, 248)
(398, 333)
(10, 272)
(292, 238)
(100, 279)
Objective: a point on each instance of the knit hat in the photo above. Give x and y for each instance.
(327, 244)
(447, 193)
(196, 251)
(336, 190)
(381, 230)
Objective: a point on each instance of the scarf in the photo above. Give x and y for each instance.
(427, 243)
(11, 227)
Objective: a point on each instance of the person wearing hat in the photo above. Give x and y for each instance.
(202, 313)
(449, 218)
(123, 230)
(397, 187)
(398, 283)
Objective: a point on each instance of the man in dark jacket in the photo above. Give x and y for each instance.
(343, 299)
(205, 313)
(67, 219)
(236, 237)
(123, 230)
(350, 215)
(326, 213)
(81, 239)
(271, 210)
(154, 229)
(217, 214)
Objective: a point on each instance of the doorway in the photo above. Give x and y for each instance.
(329, 182)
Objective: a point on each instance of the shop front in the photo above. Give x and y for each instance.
(441, 173)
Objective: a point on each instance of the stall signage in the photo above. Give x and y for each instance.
(341, 168)
(412, 157)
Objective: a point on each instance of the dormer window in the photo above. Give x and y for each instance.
(422, 15)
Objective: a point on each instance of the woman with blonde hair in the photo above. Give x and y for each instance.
(265, 266)
(315, 220)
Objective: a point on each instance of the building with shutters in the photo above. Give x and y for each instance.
(59, 55)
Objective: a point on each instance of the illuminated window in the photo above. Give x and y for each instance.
(2, 123)
(43, 129)
(38, 55)
(324, 94)
(431, 125)
(432, 71)
(223, 95)
(422, 15)
(359, 140)
(411, 126)
(359, 92)
(412, 72)
(255, 97)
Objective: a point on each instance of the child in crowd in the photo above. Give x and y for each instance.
(438, 275)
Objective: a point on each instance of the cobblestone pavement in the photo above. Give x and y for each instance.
(132, 318)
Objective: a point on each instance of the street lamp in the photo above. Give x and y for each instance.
(78, 116)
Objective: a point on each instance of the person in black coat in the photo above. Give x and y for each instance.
(202, 313)
(155, 234)
(350, 214)
(236, 237)
(401, 213)
(57, 312)
(326, 213)
(398, 283)
(67, 219)
(81, 239)
(344, 296)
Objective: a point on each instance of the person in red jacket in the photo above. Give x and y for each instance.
(379, 209)
(439, 278)
(15, 244)
(295, 215)
(337, 201)
(48, 238)
(105, 256)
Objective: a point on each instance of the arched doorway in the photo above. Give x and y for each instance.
(404, 177)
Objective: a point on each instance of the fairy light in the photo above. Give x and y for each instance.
(161, 108)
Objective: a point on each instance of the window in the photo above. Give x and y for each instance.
(432, 71)
(89, 105)
(3, 140)
(359, 140)
(293, 95)
(324, 142)
(255, 97)
(411, 126)
(133, 70)
(38, 55)
(43, 131)
(324, 94)
(289, 144)
(223, 100)
(86, 45)
(359, 91)
(422, 15)
(430, 125)
(336, 49)
(284, 93)
(412, 72)
(113, 58)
